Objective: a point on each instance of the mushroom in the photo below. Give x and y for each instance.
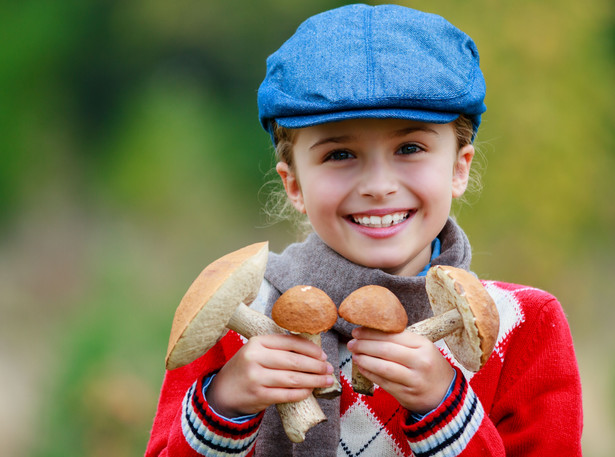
(465, 315)
(307, 311)
(216, 301)
(374, 307)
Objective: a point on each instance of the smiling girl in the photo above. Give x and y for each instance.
(377, 191)
(373, 113)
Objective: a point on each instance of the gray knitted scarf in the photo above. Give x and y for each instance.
(314, 263)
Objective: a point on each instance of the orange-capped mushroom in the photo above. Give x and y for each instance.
(308, 311)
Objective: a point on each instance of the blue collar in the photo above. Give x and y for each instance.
(435, 252)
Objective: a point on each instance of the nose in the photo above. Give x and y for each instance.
(378, 179)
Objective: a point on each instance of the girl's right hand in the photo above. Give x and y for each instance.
(268, 370)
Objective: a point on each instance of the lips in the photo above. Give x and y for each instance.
(380, 221)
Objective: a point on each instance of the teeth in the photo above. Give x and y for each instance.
(380, 222)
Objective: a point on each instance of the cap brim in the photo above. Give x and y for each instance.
(435, 117)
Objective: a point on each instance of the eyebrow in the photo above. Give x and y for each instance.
(408, 130)
(333, 139)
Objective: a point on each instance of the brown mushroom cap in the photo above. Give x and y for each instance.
(304, 309)
(375, 307)
(211, 300)
(448, 287)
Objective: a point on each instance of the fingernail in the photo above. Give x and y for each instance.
(323, 356)
(329, 368)
(351, 344)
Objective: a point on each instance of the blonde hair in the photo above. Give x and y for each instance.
(278, 206)
(284, 140)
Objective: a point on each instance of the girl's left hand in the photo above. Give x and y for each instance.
(406, 365)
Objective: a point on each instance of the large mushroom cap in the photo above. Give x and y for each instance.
(304, 309)
(448, 288)
(204, 311)
(375, 307)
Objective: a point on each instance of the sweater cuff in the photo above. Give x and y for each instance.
(448, 429)
(236, 420)
(210, 434)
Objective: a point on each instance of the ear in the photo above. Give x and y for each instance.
(291, 186)
(461, 171)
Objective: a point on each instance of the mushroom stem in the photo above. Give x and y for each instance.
(439, 326)
(298, 417)
(360, 384)
(249, 323)
(307, 311)
(316, 339)
(335, 389)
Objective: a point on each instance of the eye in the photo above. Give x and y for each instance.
(409, 149)
(338, 154)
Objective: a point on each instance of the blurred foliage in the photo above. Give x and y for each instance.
(131, 156)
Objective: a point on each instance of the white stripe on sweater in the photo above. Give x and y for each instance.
(204, 441)
(465, 423)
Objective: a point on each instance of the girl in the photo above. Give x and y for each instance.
(373, 111)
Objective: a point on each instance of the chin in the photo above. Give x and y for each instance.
(391, 262)
(388, 265)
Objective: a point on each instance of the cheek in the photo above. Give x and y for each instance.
(431, 182)
(323, 194)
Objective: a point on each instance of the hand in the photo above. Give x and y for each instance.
(267, 370)
(406, 365)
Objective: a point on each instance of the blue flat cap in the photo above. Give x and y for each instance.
(384, 61)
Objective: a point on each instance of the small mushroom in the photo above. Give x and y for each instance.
(465, 315)
(307, 311)
(374, 307)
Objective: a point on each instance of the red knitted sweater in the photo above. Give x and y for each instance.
(526, 401)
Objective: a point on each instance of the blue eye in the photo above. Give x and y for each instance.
(408, 149)
(339, 155)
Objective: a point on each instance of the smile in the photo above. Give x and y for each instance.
(388, 220)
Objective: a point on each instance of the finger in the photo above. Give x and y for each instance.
(377, 369)
(276, 396)
(406, 338)
(383, 382)
(277, 359)
(292, 343)
(383, 350)
(285, 352)
(295, 380)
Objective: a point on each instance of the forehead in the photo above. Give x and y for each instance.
(369, 129)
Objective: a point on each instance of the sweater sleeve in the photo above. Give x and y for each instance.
(185, 425)
(536, 408)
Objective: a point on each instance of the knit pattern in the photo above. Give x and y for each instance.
(369, 425)
(448, 430)
(208, 434)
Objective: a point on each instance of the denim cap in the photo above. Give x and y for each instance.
(361, 61)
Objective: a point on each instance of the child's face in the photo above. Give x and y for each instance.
(378, 191)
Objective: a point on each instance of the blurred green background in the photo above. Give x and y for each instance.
(131, 157)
